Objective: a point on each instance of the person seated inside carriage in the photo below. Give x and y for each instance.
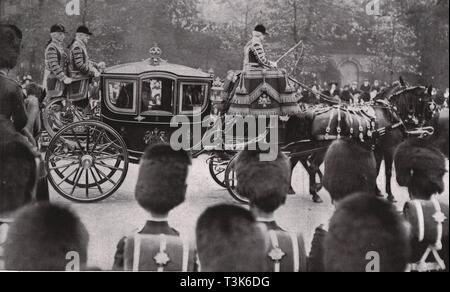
(349, 168)
(266, 185)
(262, 89)
(421, 168)
(160, 188)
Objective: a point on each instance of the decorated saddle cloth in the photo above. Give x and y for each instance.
(264, 92)
(159, 253)
(340, 121)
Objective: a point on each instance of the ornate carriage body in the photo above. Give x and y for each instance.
(87, 159)
(139, 100)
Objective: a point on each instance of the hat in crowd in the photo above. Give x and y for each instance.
(261, 28)
(18, 174)
(84, 29)
(420, 167)
(364, 226)
(10, 44)
(230, 240)
(58, 28)
(334, 83)
(161, 184)
(42, 236)
(265, 184)
(349, 168)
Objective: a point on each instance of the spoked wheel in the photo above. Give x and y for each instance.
(87, 162)
(218, 164)
(61, 112)
(231, 181)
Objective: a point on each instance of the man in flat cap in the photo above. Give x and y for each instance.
(56, 63)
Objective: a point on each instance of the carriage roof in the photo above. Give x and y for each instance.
(138, 68)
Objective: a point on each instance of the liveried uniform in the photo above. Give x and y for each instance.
(56, 66)
(80, 63)
(255, 56)
(12, 105)
(156, 248)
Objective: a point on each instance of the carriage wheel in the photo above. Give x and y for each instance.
(217, 166)
(87, 162)
(231, 182)
(59, 113)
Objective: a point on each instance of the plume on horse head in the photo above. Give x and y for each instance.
(11, 39)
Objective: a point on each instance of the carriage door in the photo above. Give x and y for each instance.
(349, 73)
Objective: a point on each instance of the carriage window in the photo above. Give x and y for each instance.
(157, 95)
(121, 94)
(193, 96)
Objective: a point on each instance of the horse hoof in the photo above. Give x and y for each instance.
(317, 199)
(319, 187)
(392, 199)
(291, 191)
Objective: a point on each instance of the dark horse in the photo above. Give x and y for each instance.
(395, 110)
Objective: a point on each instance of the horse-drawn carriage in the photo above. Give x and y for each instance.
(88, 156)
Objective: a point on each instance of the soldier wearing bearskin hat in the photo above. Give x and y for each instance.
(366, 227)
(56, 62)
(160, 188)
(266, 185)
(421, 168)
(349, 168)
(230, 240)
(41, 238)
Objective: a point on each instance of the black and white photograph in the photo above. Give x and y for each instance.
(209, 139)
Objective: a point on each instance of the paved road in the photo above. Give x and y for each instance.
(109, 221)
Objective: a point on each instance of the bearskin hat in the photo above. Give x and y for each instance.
(363, 224)
(420, 167)
(265, 184)
(11, 37)
(41, 238)
(18, 175)
(349, 168)
(230, 240)
(162, 179)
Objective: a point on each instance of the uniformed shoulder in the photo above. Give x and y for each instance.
(256, 43)
(11, 82)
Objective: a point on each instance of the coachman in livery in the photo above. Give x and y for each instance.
(262, 89)
(56, 63)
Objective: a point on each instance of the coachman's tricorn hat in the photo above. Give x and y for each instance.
(84, 29)
(58, 28)
(261, 28)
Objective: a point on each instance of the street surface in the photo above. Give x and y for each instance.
(108, 221)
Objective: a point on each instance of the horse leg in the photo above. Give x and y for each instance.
(379, 160)
(389, 160)
(314, 169)
(294, 162)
